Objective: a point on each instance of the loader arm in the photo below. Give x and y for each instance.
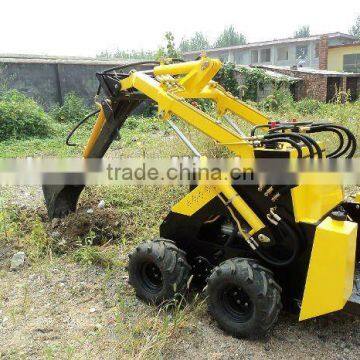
(169, 86)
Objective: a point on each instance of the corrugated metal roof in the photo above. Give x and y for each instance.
(308, 70)
(276, 42)
(356, 43)
(273, 74)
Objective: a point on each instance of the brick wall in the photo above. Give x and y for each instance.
(313, 86)
(323, 52)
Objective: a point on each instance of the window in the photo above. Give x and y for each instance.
(239, 57)
(254, 56)
(317, 50)
(283, 53)
(302, 52)
(265, 55)
(352, 63)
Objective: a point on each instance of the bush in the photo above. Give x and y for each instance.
(281, 100)
(308, 106)
(226, 78)
(21, 117)
(73, 109)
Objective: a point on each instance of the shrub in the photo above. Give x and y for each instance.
(308, 106)
(254, 80)
(281, 100)
(73, 109)
(226, 77)
(21, 117)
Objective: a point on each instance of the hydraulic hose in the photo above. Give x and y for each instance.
(289, 141)
(71, 133)
(351, 142)
(253, 130)
(288, 234)
(295, 137)
(121, 67)
(335, 131)
(315, 144)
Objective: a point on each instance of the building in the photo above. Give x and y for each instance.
(274, 81)
(316, 51)
(322, 85)
(344, 57)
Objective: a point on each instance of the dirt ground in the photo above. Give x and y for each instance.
(61, 309)
(64, 310)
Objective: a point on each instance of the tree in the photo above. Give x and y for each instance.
(302, 31)
(185, 45)
(355, 29)
(230, 37)
(169, 51)
(197, 42)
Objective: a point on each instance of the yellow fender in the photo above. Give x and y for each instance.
(330, 274)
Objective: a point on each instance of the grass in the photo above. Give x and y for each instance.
(155, 333)
(153, 138)
(141, 332)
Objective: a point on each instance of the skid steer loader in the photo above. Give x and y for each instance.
(256, 248)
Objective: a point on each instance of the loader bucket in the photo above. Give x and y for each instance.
(61, 200)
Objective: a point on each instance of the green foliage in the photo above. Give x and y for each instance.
(303, 31)
(355, 29)
(308, 106)
(38, 244)
(73, 109)
(280, 101)
(226, 77)
(21, 117)
(94, 255)
(230, 37)
(254, 79)
(169, 51)
(197, 42)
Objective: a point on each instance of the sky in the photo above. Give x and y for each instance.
(87, 27)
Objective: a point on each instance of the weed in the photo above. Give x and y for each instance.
(94, 255)
(38, 244)
(150, 335)
(308, 106)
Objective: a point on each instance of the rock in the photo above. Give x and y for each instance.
(55, 223)
(89, 211)
(17, 261)
(92, 310)
(101, 204)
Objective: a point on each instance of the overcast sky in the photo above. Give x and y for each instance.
(86, 27)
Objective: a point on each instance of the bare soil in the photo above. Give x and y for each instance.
(61, 309)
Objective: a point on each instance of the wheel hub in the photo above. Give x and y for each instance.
(152, 277)
(237, 303)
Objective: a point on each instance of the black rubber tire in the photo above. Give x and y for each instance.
(256, 284)
(169, 261)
